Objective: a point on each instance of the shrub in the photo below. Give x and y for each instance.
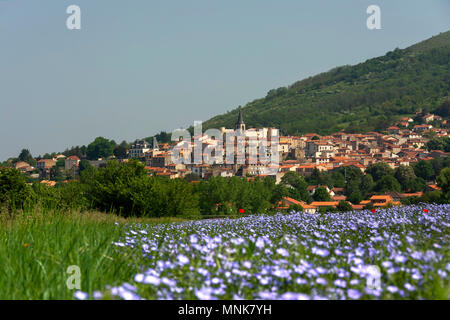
(327, 209)
(127, 189)
(295, 207)
(344, 206)
(14, 191)
(443, 181)
(369, 206)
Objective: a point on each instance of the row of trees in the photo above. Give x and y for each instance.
(378, 178)
(99, 148)
(126, 189)
(105, 148)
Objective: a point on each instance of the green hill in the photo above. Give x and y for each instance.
(364, 97)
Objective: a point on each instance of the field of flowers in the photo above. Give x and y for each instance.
(395, 253)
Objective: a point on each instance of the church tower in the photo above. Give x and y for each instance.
(155, 144)
(240, 125)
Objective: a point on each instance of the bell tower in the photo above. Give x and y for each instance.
(240, 125)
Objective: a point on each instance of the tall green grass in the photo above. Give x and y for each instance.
(36, 249)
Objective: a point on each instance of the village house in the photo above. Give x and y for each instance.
(71, 162)
(45, 164)
(382, 200)
(138, 149)
(23, 166)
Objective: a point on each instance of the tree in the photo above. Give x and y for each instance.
(424, 170)
(277, 191)
(84, 165)
(126, 189)
(366, 185)
(80, 152)
(321, 194)
(295, 208)
(120, 151)
(26, 156)
(443, 181)
(320, 178)
(49, 155)
(446, 144)
(379, 170)
(355, 197)
(297, 186)
(100, 148)
(405, 176)
(433, 197)
(327, 209)
(444, 109)
(14, 191)
(192, 177)
(435, 144)
(61, 163)
(163, 137)
(429, 134)
(338, 179)
(344, 206)
(387, 183)
(437, 164)
(418, 184)
(354, 177)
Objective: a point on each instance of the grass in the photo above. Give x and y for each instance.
(37, 248)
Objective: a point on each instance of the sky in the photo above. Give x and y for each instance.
(138, 67)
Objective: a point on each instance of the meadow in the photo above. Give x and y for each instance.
(36, 249)
(394, 253)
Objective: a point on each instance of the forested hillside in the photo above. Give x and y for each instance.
(365, 97)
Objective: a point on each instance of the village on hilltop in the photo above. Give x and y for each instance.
(401, 145)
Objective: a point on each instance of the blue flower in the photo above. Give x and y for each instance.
(80, 295)
(354, 294)
(182, 259)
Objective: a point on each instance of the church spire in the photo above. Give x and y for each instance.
(240, 125)
(240, 120)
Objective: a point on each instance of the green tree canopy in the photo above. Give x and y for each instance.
(405, 176)
(379, 170)
(296, 185)
(120, 151)
(25, 156)
(100, 148)
(127, 189)
(444, 109)
(387, 183)
(443, 181)
(14, 191)
(424, 170)
(344, 206)
(355, 197)
(321, 194)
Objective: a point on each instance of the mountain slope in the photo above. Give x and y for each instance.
(365, 97)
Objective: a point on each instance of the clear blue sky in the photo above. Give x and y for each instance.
(141, 66)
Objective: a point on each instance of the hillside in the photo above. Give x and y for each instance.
(364, 97)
